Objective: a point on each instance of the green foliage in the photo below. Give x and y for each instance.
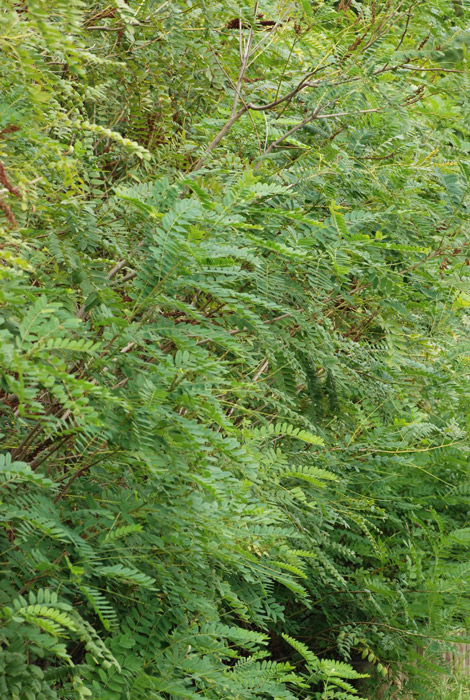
(233, 347)
(454, 686)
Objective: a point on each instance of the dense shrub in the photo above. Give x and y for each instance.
(233, 347)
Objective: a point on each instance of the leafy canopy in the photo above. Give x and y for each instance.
(233, 347)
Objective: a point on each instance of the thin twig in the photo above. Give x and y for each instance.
(405, 29)
(129, 276)
(215, 142)
(244, 63)
(69, 483)
(417, 69)
(310, 118)
(272, 30)
(349, 114)
(112, 273)
(264, 365)
(245, 108)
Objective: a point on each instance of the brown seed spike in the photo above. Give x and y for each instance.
(8, 213)
(6, 183)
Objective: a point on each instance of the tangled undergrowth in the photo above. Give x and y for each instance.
(234, 347)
